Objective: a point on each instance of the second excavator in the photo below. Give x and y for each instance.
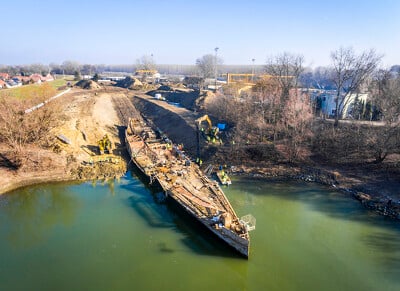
(210, 133)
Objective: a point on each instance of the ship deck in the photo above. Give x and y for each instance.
(159, 159)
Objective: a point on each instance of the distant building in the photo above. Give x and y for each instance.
(47, 78)
(87, 77)
(4, 76)
(36, 78)
(325, 101)
(193, 82)
(22, 79)
(2, 84)
(13, 84)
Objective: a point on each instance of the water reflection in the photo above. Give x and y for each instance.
(110, 183)
(389, 243)
(325, 200)
(36, 211)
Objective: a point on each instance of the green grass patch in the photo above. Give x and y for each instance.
(58, 83)
(37, 91)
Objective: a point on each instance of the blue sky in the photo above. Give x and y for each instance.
(178, 32)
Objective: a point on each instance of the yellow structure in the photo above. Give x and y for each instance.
(146, 72)
(249, 79)
(243, 78)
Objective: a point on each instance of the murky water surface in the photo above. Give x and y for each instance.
(117, 236)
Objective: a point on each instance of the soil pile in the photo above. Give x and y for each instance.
(130, 83)
(88, 84)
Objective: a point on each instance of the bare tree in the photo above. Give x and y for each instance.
(296, 123)
(386, 96)
(146, 62)
(70, 67)
(39, 69)
(349, 72)
(18, 129)
(286, 69)
(267, 101)
(206, 65)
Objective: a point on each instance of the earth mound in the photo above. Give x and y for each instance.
(130, 83)
(88, 84)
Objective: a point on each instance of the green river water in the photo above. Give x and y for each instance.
(118, 236)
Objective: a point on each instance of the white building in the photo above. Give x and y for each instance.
(327, 104)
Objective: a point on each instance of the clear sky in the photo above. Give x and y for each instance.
(179, 31)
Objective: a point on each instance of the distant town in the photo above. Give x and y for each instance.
(317, 83)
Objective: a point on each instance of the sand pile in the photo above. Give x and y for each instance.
(87, 84)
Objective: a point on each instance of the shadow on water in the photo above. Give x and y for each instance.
(155, 215)
(160, 213)
(146, 201)
(389, 242)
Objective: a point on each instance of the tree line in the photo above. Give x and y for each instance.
(279, 112)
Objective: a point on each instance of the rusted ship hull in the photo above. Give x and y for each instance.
(184, 183)
(240, 245)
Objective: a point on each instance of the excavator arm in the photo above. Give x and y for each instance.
(204, 118)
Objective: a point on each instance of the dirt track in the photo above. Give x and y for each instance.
(178, 123)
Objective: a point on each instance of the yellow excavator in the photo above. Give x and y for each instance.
(211, 132)
(105, 145)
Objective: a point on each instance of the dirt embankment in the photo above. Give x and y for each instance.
(88, 115)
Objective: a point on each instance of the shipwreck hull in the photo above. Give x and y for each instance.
(202, 226)
(224, 235)
(182, 198)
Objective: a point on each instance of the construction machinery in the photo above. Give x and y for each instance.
(105, 145)
(211, 132)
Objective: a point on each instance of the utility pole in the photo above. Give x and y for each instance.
(252, 71)
(216, 71)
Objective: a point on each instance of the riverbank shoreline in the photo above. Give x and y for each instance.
(369, 198)
(22, 182)
(373, 201)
